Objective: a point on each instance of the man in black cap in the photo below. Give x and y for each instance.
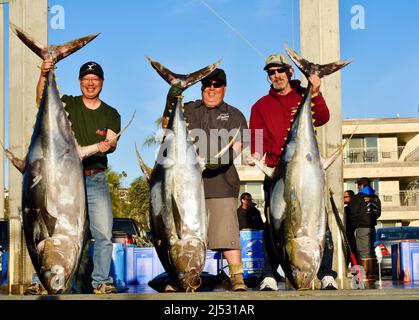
(221, 181)
(95, 125)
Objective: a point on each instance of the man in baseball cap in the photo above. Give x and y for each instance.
(91, 68)
(276, 59)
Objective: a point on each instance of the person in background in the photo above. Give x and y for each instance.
(365, 209)
(249, 217)
(349, 228)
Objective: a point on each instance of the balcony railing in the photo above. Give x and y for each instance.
(372, 155)
(405, 198)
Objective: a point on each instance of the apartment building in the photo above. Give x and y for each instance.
(386, 151)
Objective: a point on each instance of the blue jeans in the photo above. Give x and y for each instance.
(100, 222)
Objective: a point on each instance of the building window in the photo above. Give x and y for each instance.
(361, 150)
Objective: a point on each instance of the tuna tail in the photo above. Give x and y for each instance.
(55, 53)
(308, 68)
(183, 81)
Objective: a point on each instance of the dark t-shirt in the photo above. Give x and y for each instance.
(249, 219)
(90, 126)
(223, 182)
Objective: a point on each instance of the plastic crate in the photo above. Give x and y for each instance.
(252, 253)
(143, 264)
(405, 261)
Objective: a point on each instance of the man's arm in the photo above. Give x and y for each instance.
(321, 111)
(256, 126)
(47, 65)
(171, 99)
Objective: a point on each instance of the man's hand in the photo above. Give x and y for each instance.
(47, 65)
(315, 82)
(250, 161)
(104, 146)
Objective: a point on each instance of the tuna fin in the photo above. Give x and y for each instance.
(125, 128)
(263, 167)
(328, 162)
(308, 68)
(183, 81)
(177, 218)
(228, 146)
(18, 163)
(55, 53)
(147, 171)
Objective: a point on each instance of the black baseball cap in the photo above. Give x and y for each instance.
(91, 67)
(216, 75)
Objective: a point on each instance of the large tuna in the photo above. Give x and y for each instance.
(53, 192)
(178, 217)
(298, 214)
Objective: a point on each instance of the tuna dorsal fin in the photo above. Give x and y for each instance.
(147, 171)
(308, 68)
(183, 81)
(18, 163)
(328, 162)
(55, 53)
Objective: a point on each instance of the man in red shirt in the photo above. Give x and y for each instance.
(270, 121)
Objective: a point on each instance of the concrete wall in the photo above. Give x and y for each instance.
(387, 148)
(1, 110)
(32, 17)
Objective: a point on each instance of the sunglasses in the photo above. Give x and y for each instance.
(271, 72)
(215, 84)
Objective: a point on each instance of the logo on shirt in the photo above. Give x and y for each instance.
(223, 117)
(102, 132)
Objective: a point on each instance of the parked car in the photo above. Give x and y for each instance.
(385, 237)
(124, 230)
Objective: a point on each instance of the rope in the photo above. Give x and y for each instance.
(232, 28)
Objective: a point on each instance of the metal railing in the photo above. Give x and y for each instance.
(371, 155)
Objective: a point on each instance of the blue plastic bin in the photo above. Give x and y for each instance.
(252, 253)
(405, 261)
(4, 266)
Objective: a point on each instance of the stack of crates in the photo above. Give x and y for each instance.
(405, 261)
(143, 264)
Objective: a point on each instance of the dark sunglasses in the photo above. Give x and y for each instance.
(215, 84)
(271, 72)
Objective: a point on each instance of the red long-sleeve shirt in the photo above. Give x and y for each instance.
(272, 114)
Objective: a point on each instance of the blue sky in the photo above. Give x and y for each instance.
(186, 35)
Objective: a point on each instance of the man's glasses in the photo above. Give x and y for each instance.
(87, 80)
(215, 84)
(247, 199)
(271, 72)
